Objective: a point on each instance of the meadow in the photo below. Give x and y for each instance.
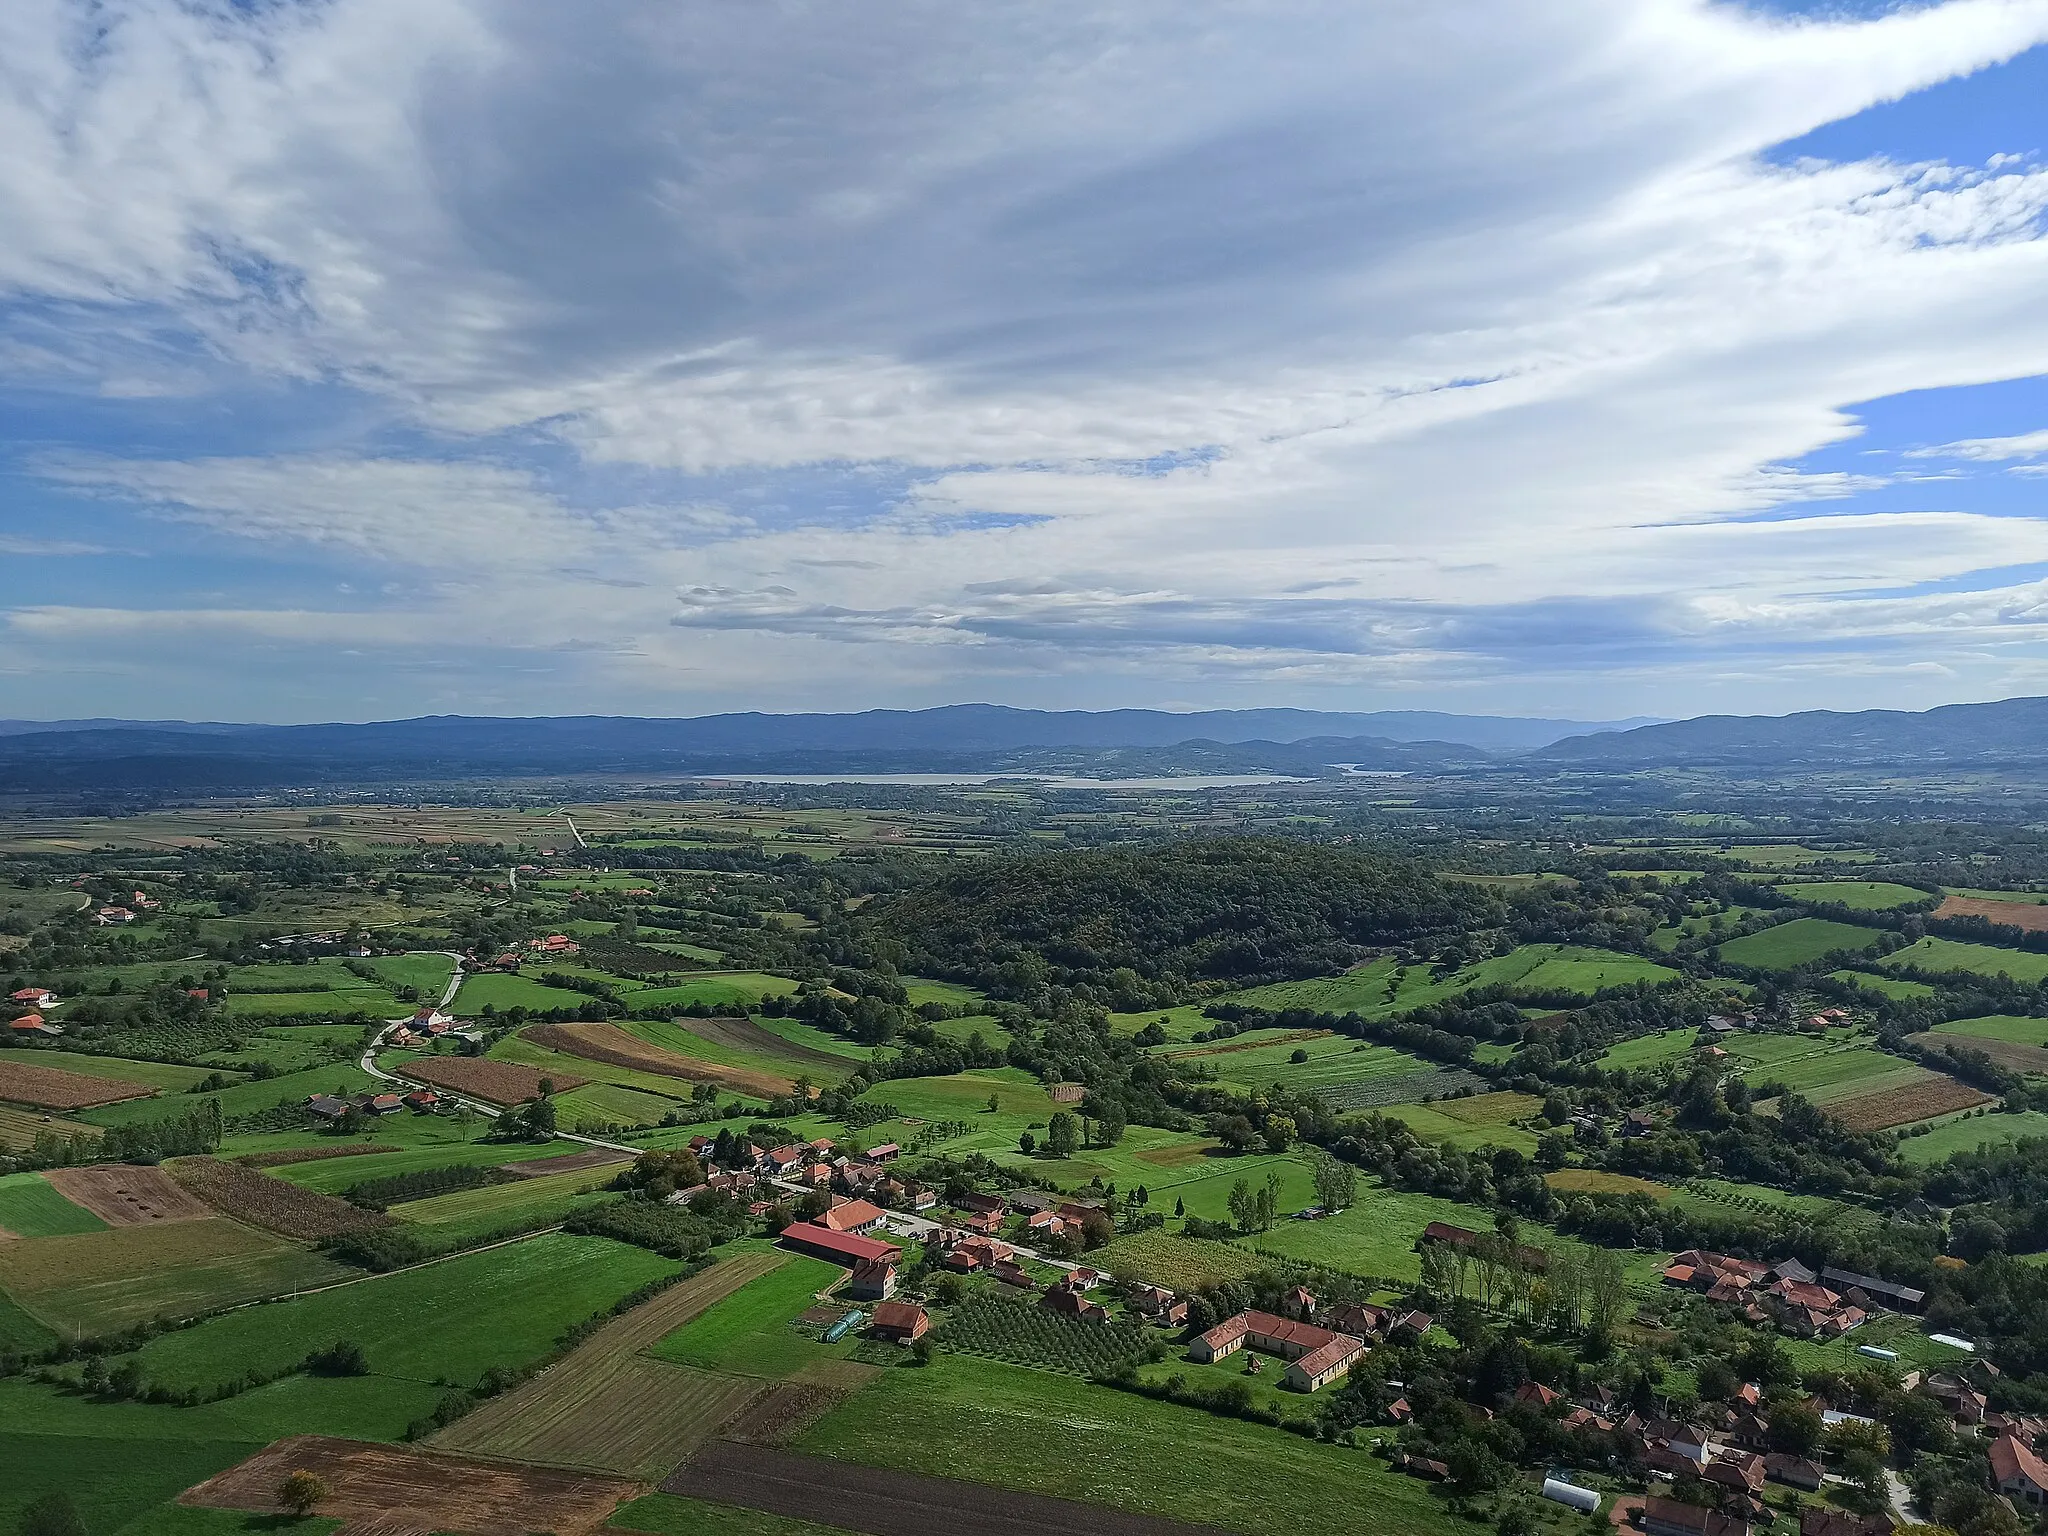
(734, 990)
(2017, 1029)
(156, 1074)
(449, 1321)
(30, 1206)
(1890, 986)
(1797, 943)
(1027, 1429)
(1857, 895)
(1649, 1050)
(1376, 1237)
(1939, 955)
(748, 1333)
(1467, 1123)
(499, 992)
(1969, 1132)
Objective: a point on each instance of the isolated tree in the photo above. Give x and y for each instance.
(1061, 1134)
(300, 1494)
(1026, 1143)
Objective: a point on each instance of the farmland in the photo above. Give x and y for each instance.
(1857, 895)
(495, 1082)
(747, 1332)
(1042, 1433)
(30, 1206)
(1937, 956)
(1799, 942)
(276, 1205)
(43, 1087)
(449, 1321)
(2028, 916)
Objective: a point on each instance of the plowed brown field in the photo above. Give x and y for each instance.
(568, 1162)
(272, 1204)
(2013, 1055)
(495, 1082)
(51, 1088)
(382, 1487)
(2026, 915)
(1904, 1105)
(127, 1197)
(609, 1043)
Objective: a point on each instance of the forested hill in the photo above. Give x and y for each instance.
(2012, 731)
(1141, 925)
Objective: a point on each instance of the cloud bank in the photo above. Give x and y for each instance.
(496, 354)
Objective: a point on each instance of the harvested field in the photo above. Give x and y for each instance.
(744, 1034)
(1066, 1093)
(495, 1082)
(1595, 1181)
(383, 1488)
(609, 1043)
(783, 1412)
(19, 1128)
(2013, 1055)
(289, 1155)
(883, 1503)
(1935, 1095)
(49, 1088)
(568, 1162)
(2025, 915)
(126, 1197)
(272, 1204)
(607, 1407)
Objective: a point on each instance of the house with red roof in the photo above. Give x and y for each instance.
(33, 997)
(2018, 1472)
(845, 1248)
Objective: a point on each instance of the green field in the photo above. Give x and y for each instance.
(499, 992)
(1045, 1433)
(1467, 1123)
(1968, 1133)
(1827, 1075)
(1181, 1025)
(334, 1174)
(735, 990)
(244, 1097)
(797, 1032)
(95, 1282)
(1858, 895)
(2031, 898)
(1374, 1237)
(489, 1207)
(1890, 986)
(1384, 987)
(611, 1104)
(426, 973)
(1799, 942)
(1332, 1060)
(1176, 1262)
(111, 1480)
(1934, 954)
(2004, 1026)
(31, 1207)
(443, 1322)
(749, 1332)
(1788, 855)
(1649, 1050)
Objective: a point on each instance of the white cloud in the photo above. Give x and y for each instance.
(1305, 341)
(2026, 445)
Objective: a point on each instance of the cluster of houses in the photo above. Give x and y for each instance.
(428, 1025)
(30, 1023)
(1788, 1294)
(327, 1108)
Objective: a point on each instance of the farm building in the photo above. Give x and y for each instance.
(1668, 1517)
(900, 1321)
(1835, 1522)
(33, 997)
(1329, 1354)
(1319, 1367)
(34, 1024)
(423, 1101)
(324, 1106)
(847, 1248)
(1069, 1302)
(873, 1280)
(852, 1216)
(1901, 1298)
(1794, 1471)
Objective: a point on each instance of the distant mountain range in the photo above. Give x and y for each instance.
(86, 756)
(2010, 733)
(183, 756)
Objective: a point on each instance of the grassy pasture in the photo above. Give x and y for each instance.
(499, 991)
(93, 1282)
(1331, 1060)
(1858, 895)
(1937, 954)
(30, 1206)
(1180, 1025)
(490, 1206)
(1890, 986)
(748, 1333)
(335, 1174)
(1179, 1263)
(665, 1514)
(447, 1321)
(427, 972)
(1649, 1050)
(1791, 855)
(730, 989)
(612, 1104)
(2035, 898)
(1968, 1133)
(1375, 1237)
(243, 1098)
(2015, 1028)
(797, 1032)
(1799, 942)
(1478, 1121)
(1598, 1182)
(1382, 987)
(1827, 1077)
(112, 1480)
(1036, 1431)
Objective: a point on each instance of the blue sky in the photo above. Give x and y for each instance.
(370, 358)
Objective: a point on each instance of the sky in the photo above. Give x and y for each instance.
(366, 359)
